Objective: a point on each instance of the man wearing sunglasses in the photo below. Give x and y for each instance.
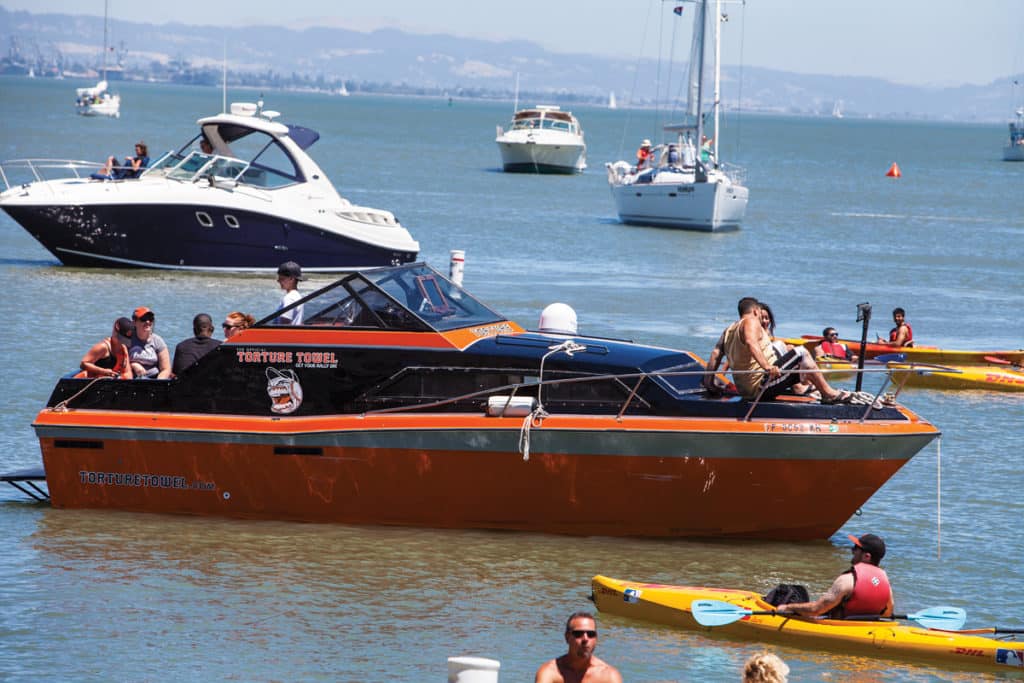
(579, 664)
(830, 347)
(861, 591)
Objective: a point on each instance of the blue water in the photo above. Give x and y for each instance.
(108, 596)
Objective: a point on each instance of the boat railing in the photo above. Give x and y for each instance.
(737, 174)
(15, 172)
(632, 381)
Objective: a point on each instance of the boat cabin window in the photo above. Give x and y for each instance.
(269, 164)
(414, 297)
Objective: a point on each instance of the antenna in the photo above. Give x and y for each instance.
(224, 80)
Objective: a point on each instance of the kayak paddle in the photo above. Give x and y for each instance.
(1002, 361)
(719, 613)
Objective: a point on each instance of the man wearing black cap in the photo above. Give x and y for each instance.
(186, 353)
(289, 274)
(863, 590)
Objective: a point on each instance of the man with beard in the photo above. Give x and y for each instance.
(579, 664)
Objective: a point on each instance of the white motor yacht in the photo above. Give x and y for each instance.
(254, 200)
(543, 139)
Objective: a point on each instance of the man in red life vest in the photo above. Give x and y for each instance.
(644, 156)
(902, 334)
(861, 591)
(831, 347)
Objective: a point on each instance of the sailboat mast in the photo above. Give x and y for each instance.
(718, 73)
(106, 4)
(700, 74)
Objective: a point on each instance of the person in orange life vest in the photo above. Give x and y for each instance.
(861, 591)
(902, 334)
(109, 356)
(832, 348)
(644, 155)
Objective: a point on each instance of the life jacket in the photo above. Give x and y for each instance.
(835, 350)
(871, 591)
(910, 334)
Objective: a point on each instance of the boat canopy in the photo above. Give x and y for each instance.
(413, 298)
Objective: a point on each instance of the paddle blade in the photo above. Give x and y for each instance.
(716, 612)
(944, 618)
(997, 360)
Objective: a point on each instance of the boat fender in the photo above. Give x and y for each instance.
(510, 406)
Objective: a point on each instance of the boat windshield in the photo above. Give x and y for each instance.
(414, 297)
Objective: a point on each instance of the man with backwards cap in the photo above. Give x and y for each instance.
(862, 590)
(289, 274)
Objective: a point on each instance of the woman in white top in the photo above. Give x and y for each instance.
(148, 353)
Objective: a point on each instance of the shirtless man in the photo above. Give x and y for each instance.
(862, 590)
(579, 664)
(756, 365)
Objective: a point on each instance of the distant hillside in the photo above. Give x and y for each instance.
(391, 60)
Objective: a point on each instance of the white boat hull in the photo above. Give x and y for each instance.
(705, 206)
(531, 156)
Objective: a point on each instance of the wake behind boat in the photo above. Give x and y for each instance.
(693, 190)
(543, 139)
(255, 199)
(403, 400)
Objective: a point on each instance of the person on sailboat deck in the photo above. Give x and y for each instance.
(132, 168)
(674, 159)
(706, 152)
(644, 155)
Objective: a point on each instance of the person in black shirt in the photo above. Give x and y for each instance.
(191, 350)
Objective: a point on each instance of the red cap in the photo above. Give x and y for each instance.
(141, 312)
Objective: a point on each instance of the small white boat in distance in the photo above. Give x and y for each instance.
(1014, 150)
(97, 101)
(543, 139)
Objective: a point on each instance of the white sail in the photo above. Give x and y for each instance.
(696, 61)
(611, 101)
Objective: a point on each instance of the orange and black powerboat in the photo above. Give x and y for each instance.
(403, 400)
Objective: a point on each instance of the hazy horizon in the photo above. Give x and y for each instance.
(910, 42)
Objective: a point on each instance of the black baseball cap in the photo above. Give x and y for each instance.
(290, 269)
(870, 543)
(124, 327)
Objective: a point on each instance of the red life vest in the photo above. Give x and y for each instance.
(835, 350)
(910, 334)
(871, 591)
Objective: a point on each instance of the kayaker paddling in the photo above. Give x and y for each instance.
(861, 591)
(579, 664)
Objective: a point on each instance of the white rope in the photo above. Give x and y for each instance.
(537, 415)
(938, 496)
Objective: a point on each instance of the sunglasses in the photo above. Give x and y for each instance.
(226, 326)
(580, 633)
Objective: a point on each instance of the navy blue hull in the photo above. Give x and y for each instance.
(172, 236)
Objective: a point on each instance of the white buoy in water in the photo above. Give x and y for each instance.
(473, 670)
(455, 266)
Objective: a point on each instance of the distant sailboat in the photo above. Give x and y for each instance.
(343, 91)
(837, 109)
(611, 101)
(97, 101)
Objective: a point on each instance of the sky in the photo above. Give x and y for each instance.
(916, 42)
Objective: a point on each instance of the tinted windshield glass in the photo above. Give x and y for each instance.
(410, 298)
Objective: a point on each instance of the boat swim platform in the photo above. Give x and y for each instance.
(25, 481)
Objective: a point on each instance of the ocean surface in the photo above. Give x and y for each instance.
(101, 596)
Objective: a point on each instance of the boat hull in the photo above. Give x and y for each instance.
(705, 207)
(670, 605)
(536, 157)
(190, 237)
(583, 475)
(1013, 153)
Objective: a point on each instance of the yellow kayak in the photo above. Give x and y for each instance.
(986, 377)
(674, 606)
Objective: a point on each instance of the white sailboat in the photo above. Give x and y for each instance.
(837, 109)
(683, 188)
(611, 101)
(97, 100)
(1014, 149)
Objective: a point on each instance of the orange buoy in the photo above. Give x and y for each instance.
(894, 171)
